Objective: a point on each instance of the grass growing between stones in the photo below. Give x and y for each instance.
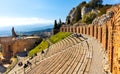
(43, 45)
(59, 36)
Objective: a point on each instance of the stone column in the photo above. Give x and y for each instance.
(78, 29)
(100, 34)
(104, 39)
(81, 29)
(87, 30)
(116, 53)
(109, 47)
(91, 30)
(95, 32)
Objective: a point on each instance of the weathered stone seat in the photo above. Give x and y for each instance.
(57, 47)
(73, 59)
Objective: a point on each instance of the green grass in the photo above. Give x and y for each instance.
(59, 36)
(43, 45)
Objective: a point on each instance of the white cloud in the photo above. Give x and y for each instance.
(5, 21)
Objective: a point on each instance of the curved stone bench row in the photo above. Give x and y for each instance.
(56, 62)
(57, 47)
(62, 45)
(75, 59)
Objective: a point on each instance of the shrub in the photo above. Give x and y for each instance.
(89, 17)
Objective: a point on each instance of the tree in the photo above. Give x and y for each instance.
(89, 17)
(94, 3)
(78, 12)
(55, 27)
(59, 24)
(83, 3)
(55, 24)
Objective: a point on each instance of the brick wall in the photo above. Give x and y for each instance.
(10, 48)
(108, 35)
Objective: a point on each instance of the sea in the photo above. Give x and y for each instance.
(7, 31)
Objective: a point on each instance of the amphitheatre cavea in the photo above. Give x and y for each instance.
(87, 42)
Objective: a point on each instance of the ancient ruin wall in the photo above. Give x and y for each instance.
(23, 45)
(108, 34)
(10, 48)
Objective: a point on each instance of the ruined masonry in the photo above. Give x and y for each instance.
(13, 45)
(108, 34)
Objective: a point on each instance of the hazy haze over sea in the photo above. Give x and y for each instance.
(6, 31)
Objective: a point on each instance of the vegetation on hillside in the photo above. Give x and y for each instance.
(78, 11)
(89, 17)
(42, 46)
(103, 9)
(59, 36)
(93, 4)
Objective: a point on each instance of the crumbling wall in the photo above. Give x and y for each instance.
(11, 47)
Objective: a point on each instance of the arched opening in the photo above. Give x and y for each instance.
(88, 30)
(92, 30)
(0, 47)
(82, 30)
(96, 32)
(78, 29)
(71, 29)
(65, 29)
(101, 34)
(85, 30)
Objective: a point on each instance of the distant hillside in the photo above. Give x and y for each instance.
(37, 32)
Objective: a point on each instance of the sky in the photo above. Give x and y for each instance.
(44, 12)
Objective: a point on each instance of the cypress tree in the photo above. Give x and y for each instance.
(55, 24)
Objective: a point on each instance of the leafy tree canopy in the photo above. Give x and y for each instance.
(89, 17)
(94, 3)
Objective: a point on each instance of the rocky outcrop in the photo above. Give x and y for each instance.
(71, 16)
(85, 10)
(103, 19)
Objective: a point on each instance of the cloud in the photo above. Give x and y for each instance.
(5, 21)
(116, 1)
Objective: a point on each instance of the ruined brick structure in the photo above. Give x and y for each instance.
(11, 46)
(15, 44)
(13, 32)
(107, 34)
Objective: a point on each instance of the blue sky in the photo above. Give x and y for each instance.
(22, 12)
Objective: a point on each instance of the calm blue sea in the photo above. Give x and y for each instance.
(6, 31)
